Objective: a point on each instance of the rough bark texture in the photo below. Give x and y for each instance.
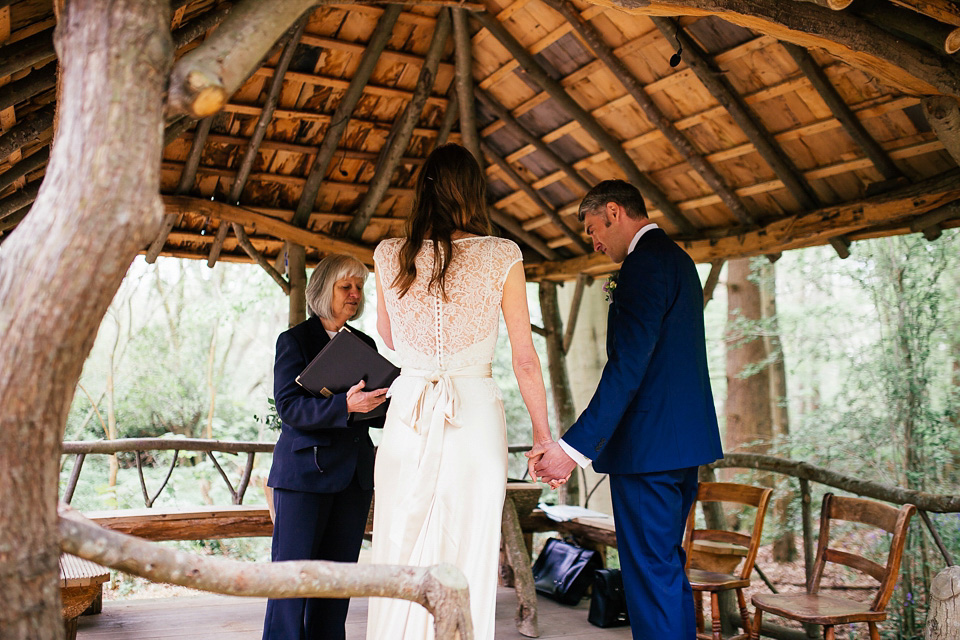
(518, 556)
(946, 503)
(564, 413)
(858, 43)
(749, 421)
(297, 276)
(204, 78)
(60, 269)
(943, 114)
(943, 619)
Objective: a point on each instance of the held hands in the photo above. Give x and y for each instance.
(549, 463)
(360, 401)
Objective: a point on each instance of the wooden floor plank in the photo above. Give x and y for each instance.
(211, 617)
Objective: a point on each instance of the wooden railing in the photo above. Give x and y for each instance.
(441, 589)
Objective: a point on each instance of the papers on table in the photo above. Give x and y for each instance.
(564, 512)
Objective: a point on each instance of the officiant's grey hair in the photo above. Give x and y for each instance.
(319, 291)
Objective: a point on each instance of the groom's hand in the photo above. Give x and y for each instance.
(554, 466)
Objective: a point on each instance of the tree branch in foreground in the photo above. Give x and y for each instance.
(441, 589)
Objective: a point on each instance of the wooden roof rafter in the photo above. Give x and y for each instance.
(607, 142)
(541, 161)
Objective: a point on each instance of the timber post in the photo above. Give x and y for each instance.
(943, 618)
(563, 410)
(297, 275)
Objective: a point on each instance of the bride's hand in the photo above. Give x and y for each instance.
(360, 401)
(533, 457)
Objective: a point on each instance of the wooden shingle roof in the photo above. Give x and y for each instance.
(783, 124)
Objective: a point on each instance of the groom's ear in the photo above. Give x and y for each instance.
(613, 211)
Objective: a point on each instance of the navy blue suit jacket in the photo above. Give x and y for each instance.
(320, 448)
(653, 408)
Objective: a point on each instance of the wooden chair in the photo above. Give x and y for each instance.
(714, 582)
(816, 608)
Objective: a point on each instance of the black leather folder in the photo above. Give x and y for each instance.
(342, 363)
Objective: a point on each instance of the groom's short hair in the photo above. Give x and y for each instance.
(619, 191)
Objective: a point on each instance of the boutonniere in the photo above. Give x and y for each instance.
(609, 286)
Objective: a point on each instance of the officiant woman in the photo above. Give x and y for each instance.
(322, 473)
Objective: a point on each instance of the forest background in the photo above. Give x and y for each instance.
(869, 348)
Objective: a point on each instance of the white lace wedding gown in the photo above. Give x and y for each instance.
(441, 467)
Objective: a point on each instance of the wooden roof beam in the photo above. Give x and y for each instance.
(579, 245)
(653, 113)
(521, 132)
(399, 138)
(342, 84)
(22, 198)
(355, 187)
(256, 137)
(341, 117)
(929, 223)
(463, 56)
(943, 114)
(793, 232)
(842, 112)
(29, 86)
(938, 35)
(450, 116)
(358, 48)
(203, 79)
(941, 10)
(187, 177)
(227, 213)
(28, 130)
(257, 257)
(606, 141)
(847, 37)
(713, 278)
(720, 88)
(198, 27)
(512, 227)
(26, 53)
(26, 165)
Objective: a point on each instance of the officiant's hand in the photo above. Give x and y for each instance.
(360, 401)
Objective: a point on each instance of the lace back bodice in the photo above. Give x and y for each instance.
(432, 333)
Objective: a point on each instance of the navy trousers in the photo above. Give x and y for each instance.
(651, 512)
(315, 526)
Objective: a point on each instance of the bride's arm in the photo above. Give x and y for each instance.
(526, 363)
(383, 320)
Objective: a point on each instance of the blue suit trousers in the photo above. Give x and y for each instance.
(651, 512)
(315, 526)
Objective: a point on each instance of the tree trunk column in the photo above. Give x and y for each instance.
(564, 413)
(297, 274)
(943, 620)
(98, 206)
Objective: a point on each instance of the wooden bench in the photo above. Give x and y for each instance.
(210, 523)
(80, 588)
(600, 533)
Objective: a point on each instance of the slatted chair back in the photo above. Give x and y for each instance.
(869, 512)
(742, 494)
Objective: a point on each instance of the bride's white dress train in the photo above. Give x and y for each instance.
(441, 467)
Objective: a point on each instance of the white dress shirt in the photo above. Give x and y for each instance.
(578, 457)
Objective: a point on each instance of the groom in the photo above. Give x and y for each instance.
(651, 421)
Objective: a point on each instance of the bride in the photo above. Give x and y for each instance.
(441, 469)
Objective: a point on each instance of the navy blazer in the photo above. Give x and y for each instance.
(320, 447)
(653, 409)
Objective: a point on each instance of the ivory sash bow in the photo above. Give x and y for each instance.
(436, 406)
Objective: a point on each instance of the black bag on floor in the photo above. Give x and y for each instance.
(563, 571)
(608, 604)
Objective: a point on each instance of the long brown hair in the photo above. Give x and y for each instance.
(450, 197)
